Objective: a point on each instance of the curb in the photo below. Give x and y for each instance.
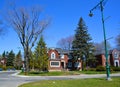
(70, 76)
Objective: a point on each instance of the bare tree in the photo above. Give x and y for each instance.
(118, 41)
(65, 43)
(69, 41)
(62, 43)
(28, 26)
(99, 47)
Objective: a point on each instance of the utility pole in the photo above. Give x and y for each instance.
(100, 4)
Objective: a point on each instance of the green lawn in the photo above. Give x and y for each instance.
(99, 82)
(63, 73)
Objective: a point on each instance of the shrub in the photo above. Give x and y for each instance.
(115, 68)
(10, 68)
(90, 69)
(34, 72)
(100, 68)
(4, 67)
(0, 66)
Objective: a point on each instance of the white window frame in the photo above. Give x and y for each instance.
(53, 55)
(54, 65)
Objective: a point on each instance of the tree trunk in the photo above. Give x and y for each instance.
(26, 57)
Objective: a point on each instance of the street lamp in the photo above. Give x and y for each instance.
(100, 4)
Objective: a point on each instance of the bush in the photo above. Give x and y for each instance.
(10, 68)
(115, 68)
(100, 68)
(0, 66)
(34, 72)
(90, 69)
(4, 67)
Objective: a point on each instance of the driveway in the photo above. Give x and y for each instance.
(11, 79)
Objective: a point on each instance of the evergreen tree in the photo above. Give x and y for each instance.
(81, 45)
(10, 58)
(18, 61)
(41, 56)
(4, 55)
(32, 61)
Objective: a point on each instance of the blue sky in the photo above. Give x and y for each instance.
(65, 15)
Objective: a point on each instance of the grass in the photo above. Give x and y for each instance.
(98, 82)
(62, 73)
(55, 73)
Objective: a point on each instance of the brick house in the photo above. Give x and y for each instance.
(60, 60)
(113, 58)
(3, 61)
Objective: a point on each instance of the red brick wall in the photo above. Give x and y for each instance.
(56, 53)
(65, 58)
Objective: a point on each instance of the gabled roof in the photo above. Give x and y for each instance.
(103, 52)
(60, 51)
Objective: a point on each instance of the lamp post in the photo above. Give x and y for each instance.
(105, 40)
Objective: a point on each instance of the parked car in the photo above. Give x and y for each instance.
(1, 69)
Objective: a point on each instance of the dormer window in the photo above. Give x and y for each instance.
(52, 55)
(116, 55)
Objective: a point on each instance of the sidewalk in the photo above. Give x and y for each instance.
(81, 76)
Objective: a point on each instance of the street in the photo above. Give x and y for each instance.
(9, 79)
(6, 80)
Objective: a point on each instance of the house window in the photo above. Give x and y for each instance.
(54, 64)
(69, 64)
(116, 55)
(77, 64)
(52, 55)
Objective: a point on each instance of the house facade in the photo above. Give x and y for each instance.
(113, 58)
(3, 61)
(60, 60)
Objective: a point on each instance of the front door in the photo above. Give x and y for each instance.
(62, 64)
(116, 64)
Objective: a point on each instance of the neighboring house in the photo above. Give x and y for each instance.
(3, 61)
(60, 60)
(113, 58)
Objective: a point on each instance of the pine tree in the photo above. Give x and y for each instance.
(82, 47)
(18, 61)
(41, 56)
(32, 61)
(4, 55)
(10, 58)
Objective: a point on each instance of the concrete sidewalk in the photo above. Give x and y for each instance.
(81, 76)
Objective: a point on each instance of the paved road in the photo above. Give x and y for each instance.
(9, 79)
